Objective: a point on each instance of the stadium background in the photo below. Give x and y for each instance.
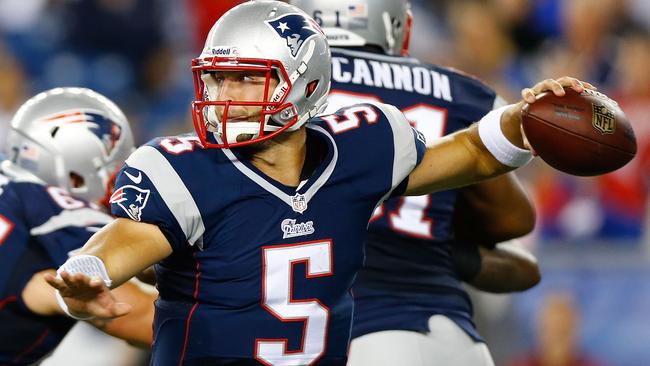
(591, 237)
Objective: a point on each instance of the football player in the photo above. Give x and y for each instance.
(410, 307)
(256, 222)
(64, 144)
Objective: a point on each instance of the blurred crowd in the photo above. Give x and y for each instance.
(138, 53)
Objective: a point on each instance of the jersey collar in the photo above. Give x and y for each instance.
(297, 198)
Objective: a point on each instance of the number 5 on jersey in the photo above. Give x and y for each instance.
(278, 262)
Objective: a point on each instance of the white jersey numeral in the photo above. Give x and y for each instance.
(277, 298)
(427, 119)
(64, 199)
(351, 118)
(180, 144)
(410, 217)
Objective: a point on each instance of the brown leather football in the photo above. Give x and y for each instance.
(582, 134)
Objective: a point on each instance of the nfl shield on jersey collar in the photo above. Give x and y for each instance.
(305, 192)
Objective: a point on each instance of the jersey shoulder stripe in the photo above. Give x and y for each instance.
(171, 189)
(406, 152)
(377, 143)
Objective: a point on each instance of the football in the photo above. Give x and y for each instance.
(582, 134)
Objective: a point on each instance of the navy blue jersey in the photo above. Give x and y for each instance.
(261, 272)
(408, 274)
(39, 227)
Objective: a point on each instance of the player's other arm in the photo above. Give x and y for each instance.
(134, 328)
(148, 276)
(493, 211)
(462, 158)
(126, 248)
(490, 212)
(505, 268)
(137, 326)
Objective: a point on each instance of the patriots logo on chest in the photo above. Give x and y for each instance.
(131, 199)
(295, 29)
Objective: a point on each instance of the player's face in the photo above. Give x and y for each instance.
(242, 86)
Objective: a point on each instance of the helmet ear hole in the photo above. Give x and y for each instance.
(15, 152)
(311, 88)
(76, 180)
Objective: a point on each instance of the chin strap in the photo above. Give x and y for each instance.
(235, 129)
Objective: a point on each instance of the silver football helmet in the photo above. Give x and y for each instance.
(269, 38)
(354, 23)
(73, 138)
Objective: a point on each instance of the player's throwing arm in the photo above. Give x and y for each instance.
(493, 146)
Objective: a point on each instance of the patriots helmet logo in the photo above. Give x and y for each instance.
(106, 130)
(295, 29)
(131, 199)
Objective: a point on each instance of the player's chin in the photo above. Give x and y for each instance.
(253, 148)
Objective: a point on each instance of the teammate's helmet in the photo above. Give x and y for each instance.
(351, 23)
(72, 138)
(277, 40)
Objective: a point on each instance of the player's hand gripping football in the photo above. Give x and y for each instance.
(529, 96)
(87, 297)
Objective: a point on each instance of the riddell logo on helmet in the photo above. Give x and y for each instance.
(279, 95)
(223, 52)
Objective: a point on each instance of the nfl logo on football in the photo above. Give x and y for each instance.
(299, 203)
(603, 119)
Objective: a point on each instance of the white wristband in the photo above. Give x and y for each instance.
(64, 307)
(89, 265)
(489, 129)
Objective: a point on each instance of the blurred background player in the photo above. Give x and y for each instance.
(420, 248)
(61, 141)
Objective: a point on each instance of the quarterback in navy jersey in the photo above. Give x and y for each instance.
(414, 264)
(256, 222)
(41, 223)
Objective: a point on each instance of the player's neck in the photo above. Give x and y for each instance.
(284, 158)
